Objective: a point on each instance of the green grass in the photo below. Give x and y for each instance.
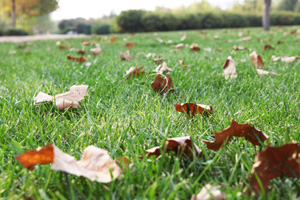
(126, 117)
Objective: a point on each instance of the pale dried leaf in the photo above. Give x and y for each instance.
(183, 37)
(264, 72)
(286, 59)
(245, 39)
(209, 192)
(162, 68)
(96, 51)
(229, 68)
(179, 46)
(257, 60)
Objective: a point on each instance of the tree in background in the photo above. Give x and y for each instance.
(266, 15)
(287, 5)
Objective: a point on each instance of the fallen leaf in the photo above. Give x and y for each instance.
(274, 162)
(96, 51)
(129, 44)
(268, 47)
(238, 48)
(209, 192)
(158, 60)
(162, 85)
(179, 46)
(81, 59)
(87, 64)
(21, 46)
(183, 37)
(159, 40)
(286, 59)
(125, 55)
(194, 47)
(289, 33)
(63, 47)
(179, 145)
(279, 42)
(162, 68)
(150, 55)
(250, 133)
(64, 100)
(81, 52)
(181, 63)
(245, 39)
(208, 49)
(257, 61)
(229, 68)
(134, 72)
(215, 37)
(85, 43)
(113, 39)
(95, 163)
(264, 72)
(192, 108)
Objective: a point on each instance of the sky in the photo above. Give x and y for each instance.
(69, 9)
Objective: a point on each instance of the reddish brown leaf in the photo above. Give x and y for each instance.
(41, 156)
(81, 59)
(268, 47)
(63, 47)
(279, 42)
(129, 44)
(179, 145)
(161, 85)
(134, 72)
(81, 52)
(250, 133)
(113, 39)
(193, 108)
(275, 162)
(257, 61)
(194, 47)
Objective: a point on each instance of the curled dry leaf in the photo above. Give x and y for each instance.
(192, 108)
(268, 47)
(161, 85)
(95, 163)
(250, 133)
(179, 46)
(261, 72)
(257, 61)
(129, 44)
(134, 72)
(85, 43)
(238, 48)
(209, 192)
(64, 100)
(158, 60)
(275, 162)
(74, 59)
(229, 68)
(125, 55)
(181, 63)
(96, 51)
(183, 37)
(245, 39)
(113, 39)
(179, 145)
(162, 68)
(81, 52)
(63, 47)
(194, 47)
(285, 58)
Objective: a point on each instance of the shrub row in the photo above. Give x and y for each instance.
(142, 21)
(13, 32)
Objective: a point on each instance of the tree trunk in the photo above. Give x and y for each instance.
(13, 14)
(266, 15)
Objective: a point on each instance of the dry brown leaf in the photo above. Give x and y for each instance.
(179, 46)
(194, 47)
(181, 63)
(286, 59)
(113, 39)
(64, 100)
(81, 52)
(245, 39)
(129, 44)
(257, 61)
(238, 48)
(229, 68)
(95, 163)
(250, 133)
(63, 47)
(125, 55)
(209, 192)
(161, 85)
(162, 68)
(268, 47)
(183, 37)
(179, 145)
(134, 72)
(96, 51)
(192, 108)
(274, 162)
(74, 59)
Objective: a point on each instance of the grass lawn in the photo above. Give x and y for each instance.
(126, 117)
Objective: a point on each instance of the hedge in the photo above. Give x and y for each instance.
(15, 32)
(142, 21)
